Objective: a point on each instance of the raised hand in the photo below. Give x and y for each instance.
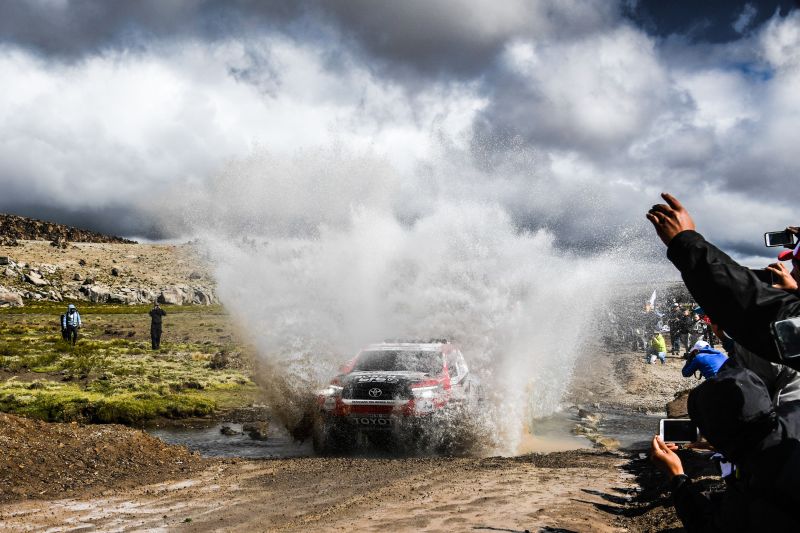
(670, 219)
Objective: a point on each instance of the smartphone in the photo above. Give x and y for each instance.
(787, 338)
(767, 276)
(779, 238)
(678, 430)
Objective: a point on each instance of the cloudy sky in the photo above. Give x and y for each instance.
(571, 114)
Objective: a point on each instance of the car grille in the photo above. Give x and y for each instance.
(388, 391)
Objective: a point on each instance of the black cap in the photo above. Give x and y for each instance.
(733, 411)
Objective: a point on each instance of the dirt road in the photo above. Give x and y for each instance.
(578, 490)
(534, 492)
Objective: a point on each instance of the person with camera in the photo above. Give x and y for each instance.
(704, 359)
(658, 348)
(156, 316)
(734, 412)
(788, 280)
(730, 294)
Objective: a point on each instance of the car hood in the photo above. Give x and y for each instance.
(389, 377)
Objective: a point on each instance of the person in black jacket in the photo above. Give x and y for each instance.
(729, 293)
(734, 412)
(156, 314)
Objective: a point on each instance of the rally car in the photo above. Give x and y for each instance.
(400, 392)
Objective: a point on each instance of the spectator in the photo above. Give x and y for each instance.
(705, 359)
(658, 348)
(787, 280)
(646, 323)
(731, 294)
(156, 316)
(674, 327)
(71, 323)
(734, 413)
(782, 382)
(684, 326)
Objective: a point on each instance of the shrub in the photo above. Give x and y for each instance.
(9, 350)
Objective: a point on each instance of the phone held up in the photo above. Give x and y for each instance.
(767, 276)
(678, 430)
(780, 238)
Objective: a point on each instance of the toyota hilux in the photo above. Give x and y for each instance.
(397, 392)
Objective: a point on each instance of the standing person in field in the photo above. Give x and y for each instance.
(70, 323)
(156, 314)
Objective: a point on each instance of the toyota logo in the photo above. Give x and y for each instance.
(375, 392)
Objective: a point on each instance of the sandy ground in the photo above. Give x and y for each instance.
(556, 491)
(580, 490)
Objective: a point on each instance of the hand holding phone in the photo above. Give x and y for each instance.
(780, 238)
(678, 430)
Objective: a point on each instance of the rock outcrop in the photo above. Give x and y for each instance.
(9, 298)
(106, 273)
(14, 228)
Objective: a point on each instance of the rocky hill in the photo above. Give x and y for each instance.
(14, 228)
(47, 261)
(104, 273)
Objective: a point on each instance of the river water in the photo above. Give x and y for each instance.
(549, 434)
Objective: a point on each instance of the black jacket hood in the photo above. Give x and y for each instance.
(733, 411)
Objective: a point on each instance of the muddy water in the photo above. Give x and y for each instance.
(210, 441)
(634, 431)
(554, 433)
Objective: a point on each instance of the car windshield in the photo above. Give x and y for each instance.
(399, 360)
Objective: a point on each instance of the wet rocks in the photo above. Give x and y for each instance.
(678, 408)
(257, 430)
(229, 431)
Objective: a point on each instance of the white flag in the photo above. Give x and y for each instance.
(652, 300)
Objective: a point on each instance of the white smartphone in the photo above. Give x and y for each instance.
(678, 430)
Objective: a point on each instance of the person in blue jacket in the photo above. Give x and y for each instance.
(71, 322)
(704, 358)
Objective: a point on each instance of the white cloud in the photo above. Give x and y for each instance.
(121, 127)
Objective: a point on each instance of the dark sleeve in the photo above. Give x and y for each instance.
(731, 294)
(163, 313)
(714, 512)
(692, 506)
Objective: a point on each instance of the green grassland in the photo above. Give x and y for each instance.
(112, 375)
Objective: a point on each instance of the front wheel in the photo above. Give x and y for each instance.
(330, 437)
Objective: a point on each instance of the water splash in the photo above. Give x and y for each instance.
(314, 272)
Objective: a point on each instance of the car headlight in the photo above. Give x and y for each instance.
(426, 392)
(331, 390)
